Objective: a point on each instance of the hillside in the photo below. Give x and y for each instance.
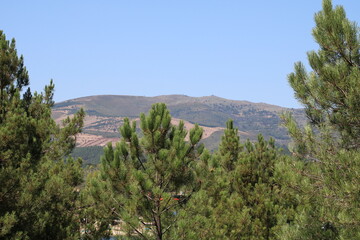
(105, 113)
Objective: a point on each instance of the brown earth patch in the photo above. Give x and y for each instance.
(87, 140)
(101, 126)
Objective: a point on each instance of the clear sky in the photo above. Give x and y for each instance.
(241, 50)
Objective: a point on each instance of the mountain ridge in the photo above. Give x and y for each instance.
(178, 95)
(105, 113)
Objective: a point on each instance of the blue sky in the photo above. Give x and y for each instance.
(241, 50)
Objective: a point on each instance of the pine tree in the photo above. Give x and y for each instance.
(143, 182)
(230, 147)
(240, 197)
(324, 174)
(331, 92)
(13, 73)
(38, 184)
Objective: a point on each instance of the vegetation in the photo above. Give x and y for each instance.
(241, 197)
(327, 151)
(159, 182)
(38, 182)
(89, 155)
(138, 178)
(331, 92)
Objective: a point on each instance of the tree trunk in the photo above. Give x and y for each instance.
(158, 221)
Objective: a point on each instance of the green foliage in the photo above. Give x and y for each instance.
(327, 191)
(13, 73)
(241, 197)
(325, 172)
(325, 179)
(37, 192)
(160, 182)
(331, 92)
(138, 177)
(89, 155)
(230, 147)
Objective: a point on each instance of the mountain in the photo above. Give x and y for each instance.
(105, 113)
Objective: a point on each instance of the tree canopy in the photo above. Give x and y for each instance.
(326, 164)
(38, 182)
(159, 182)
(331, 91)
(144, 181)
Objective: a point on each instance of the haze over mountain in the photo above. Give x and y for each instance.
(105, 113)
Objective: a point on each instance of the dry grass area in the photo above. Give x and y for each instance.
(87, 140)
(102, 125)
(207, 130)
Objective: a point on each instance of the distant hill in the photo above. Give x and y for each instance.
(105, 113)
